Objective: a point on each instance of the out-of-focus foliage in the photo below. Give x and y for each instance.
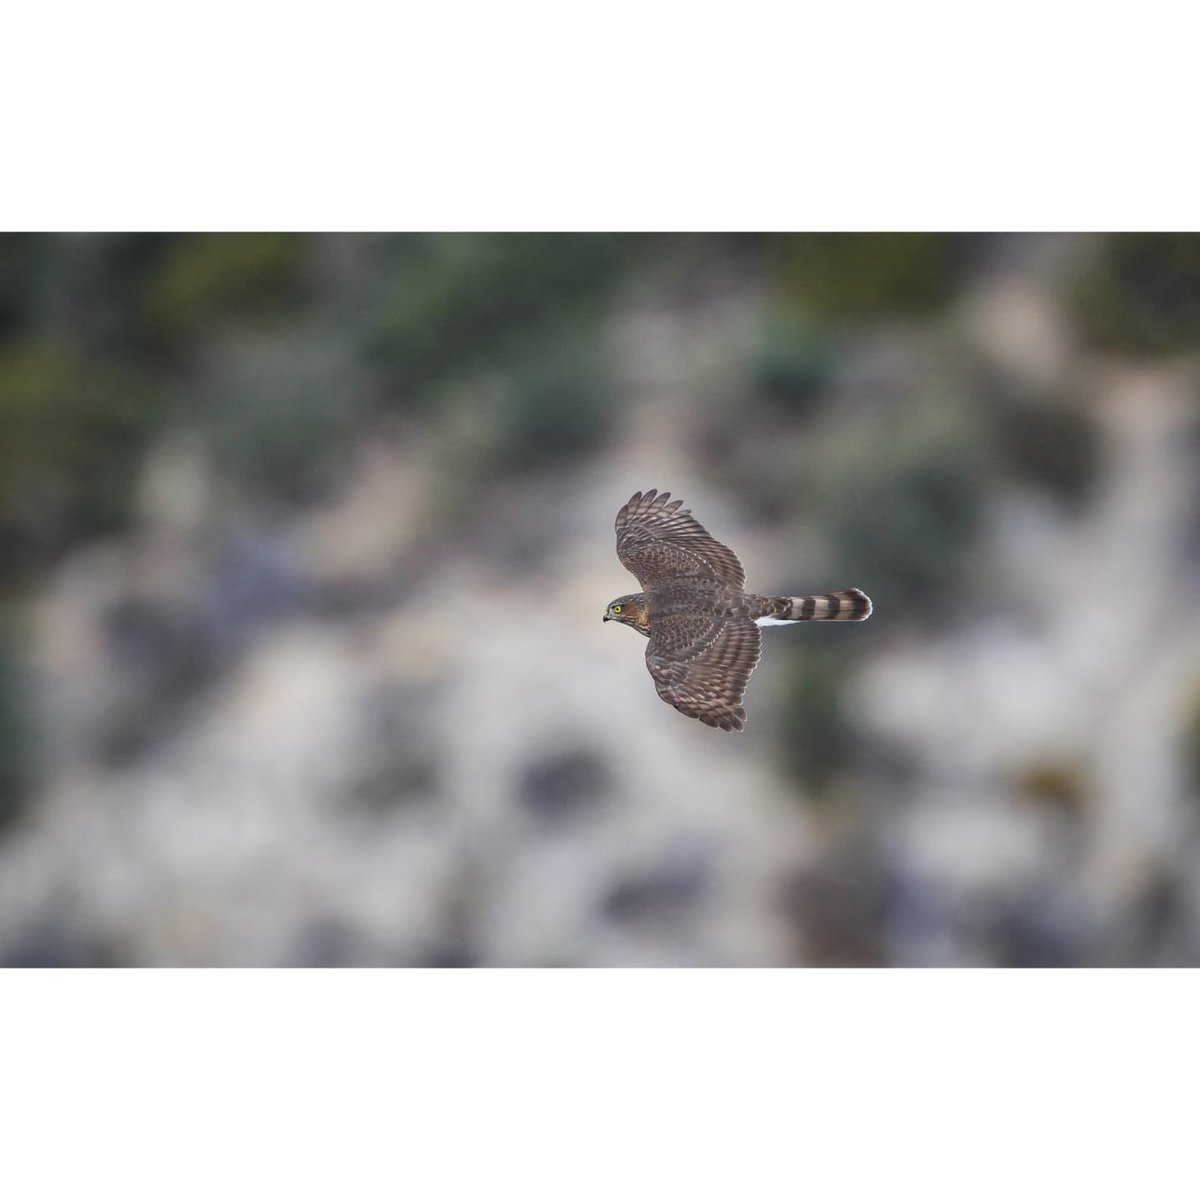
(22, 282)
(1141, 295)
(102, 338)
(74, 431)
(792, 365)
(558, 405)
(849, 276)
(901, 511)
(1047, 443)
(277, 409)
(225, 280)
(451, 304)
(815, 736)
(16, 728)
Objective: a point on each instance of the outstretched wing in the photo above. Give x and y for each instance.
(658, 541)
(701, 665)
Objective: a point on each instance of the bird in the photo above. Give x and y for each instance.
(704, 629)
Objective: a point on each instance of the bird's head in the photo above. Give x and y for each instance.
(630, 610)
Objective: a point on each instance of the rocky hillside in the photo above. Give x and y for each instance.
(311, 538)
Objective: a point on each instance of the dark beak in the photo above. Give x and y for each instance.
(606, 616)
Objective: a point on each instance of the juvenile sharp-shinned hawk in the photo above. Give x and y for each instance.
(703, 628)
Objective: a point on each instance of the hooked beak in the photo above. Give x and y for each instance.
(607, 617)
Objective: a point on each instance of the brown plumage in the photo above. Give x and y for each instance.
(703, 628)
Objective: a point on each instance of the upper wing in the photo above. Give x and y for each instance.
(701, 665)
(659, 541)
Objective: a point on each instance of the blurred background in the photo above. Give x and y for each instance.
(306, 541)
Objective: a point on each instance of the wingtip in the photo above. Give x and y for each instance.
(732, 721)
(650, 496)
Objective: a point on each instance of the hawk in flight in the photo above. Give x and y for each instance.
(703, 628)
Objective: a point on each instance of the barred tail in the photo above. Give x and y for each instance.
(850, 604)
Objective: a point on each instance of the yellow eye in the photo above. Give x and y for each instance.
(616, 608)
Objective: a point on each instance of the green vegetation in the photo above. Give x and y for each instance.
(1055, 449)
(457, 303)
(557, 405)
(902, 506)
(1048, 442)
(814, 734)
(74, 430)
(1141, 295)
(278, 410)
(205, 282)
(104, 338)
(791, 365)
(16, 729)
(22, 271)
(861, 276)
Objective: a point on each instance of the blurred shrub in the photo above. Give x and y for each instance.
(16, 734)
(791, 365)
(1142, 294)
(758, 461)
(23, 263)
(814, 734)
(751, 439)
(457, 302)
(220, 279)
(551, 406)
(1046, 443)
(849, 276)
(556, 404)
(902, 514)
(1055, 449)
(279, 411)
(1055, 785)
(74, 430)
(93, 288)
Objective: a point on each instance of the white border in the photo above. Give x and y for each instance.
(600, 1083)
(532, 116)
